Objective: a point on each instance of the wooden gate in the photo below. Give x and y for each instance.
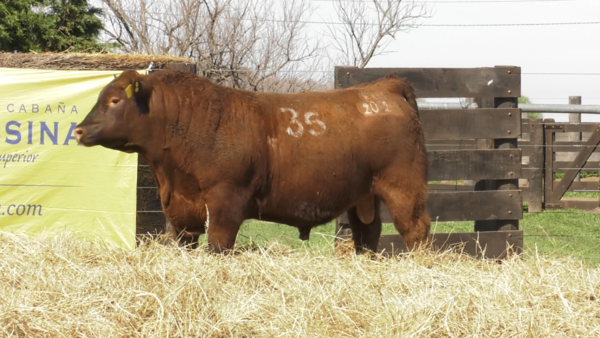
(570, 157)
(458, 143)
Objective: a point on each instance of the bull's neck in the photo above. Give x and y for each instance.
(183, 134)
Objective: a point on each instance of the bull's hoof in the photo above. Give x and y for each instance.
(304, 233)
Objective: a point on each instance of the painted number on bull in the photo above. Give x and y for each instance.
(374, 108)
(297, 128)
(308, 122)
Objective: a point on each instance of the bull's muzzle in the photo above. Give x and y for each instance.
(78, 134)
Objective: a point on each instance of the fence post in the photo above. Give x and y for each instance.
(536, 165)
(510, 184)
(183, 67)
(598, 207)
(575, 118)
(549, 158)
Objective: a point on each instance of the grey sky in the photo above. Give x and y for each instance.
(536, 49)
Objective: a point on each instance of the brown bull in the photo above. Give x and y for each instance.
(227, 155)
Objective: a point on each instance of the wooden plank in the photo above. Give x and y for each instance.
(525, 149)
(442, 82)
(463, 144)
(526, 173)
(573, 128)
(569, 157)
(524, 139)
(183, 67)
(585, 136)
(486, 244)
(536, 165)
(462, 124)
(580, 204)
(474, 205)
(474, 164)
(578, 185)
(450, 187)
(566, 137)
(579, 161)
(560, 166)
(438, 147)
(568, 146)
(451, 145)
(549, 173)
(466, 206)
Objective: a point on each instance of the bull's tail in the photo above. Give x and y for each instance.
(407, 91)
(410, 97)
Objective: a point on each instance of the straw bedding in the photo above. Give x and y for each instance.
(62, 286)
(85, 61)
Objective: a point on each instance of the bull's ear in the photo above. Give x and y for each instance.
(142, 92)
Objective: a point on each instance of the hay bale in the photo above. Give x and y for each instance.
(83, 61)
(64, 286)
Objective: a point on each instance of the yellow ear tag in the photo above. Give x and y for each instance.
(137, 87)
(129, 91)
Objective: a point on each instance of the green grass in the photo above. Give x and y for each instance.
(583, 174)
(564, 233)
(552, 233)
(579, 194)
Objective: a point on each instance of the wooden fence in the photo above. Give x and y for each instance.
(479, 145)
(566, 148)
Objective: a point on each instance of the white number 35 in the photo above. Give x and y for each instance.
(297, 128)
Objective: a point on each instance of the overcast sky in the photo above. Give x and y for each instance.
(536, 49)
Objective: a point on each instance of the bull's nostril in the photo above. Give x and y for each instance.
(78, 134)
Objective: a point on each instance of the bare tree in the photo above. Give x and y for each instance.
(366, 28)
(250, 44)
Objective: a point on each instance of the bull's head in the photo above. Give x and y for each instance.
(120, 104)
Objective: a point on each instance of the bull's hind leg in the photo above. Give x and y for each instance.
(406, 203)
(365, 235)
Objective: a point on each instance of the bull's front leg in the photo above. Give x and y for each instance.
(222, 235)
(225, 215)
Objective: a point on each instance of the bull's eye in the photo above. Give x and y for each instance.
(115, 100)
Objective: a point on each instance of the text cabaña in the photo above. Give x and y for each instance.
(35, 108)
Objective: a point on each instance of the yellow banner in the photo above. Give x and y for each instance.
(49, 183)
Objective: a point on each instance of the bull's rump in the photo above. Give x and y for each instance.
(324, 151)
